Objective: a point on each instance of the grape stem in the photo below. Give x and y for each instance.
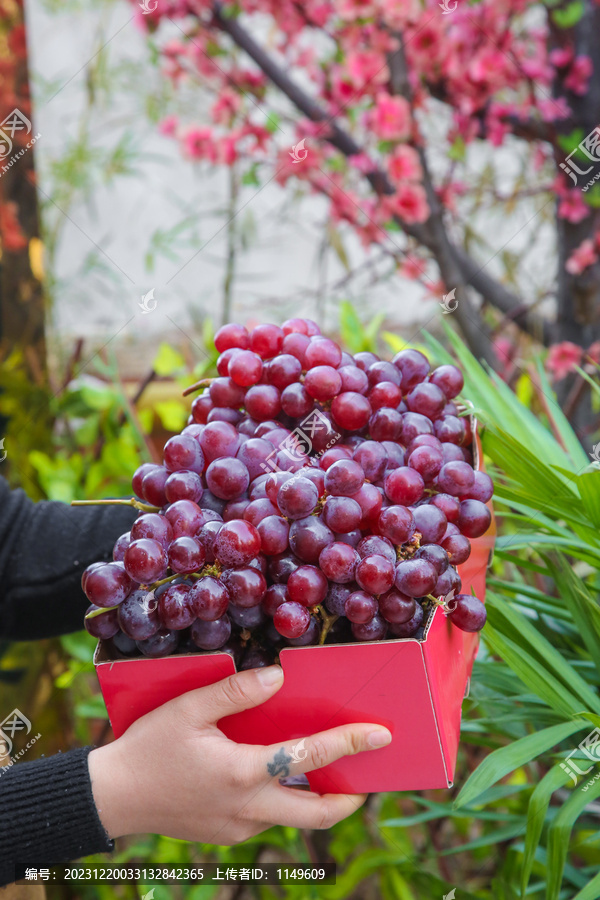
(197, 385)
(327, 623)
(137, 504)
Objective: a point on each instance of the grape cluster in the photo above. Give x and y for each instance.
(313, 497)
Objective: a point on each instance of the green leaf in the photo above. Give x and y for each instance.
(591, 891)
(581, 603)
(94, 708)
(168, 361)
(507, 759)
(172, 414)
(536, 816)
(570, 15)
(559, 834)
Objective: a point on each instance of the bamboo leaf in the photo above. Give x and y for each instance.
(559, 834)
(536, 815)
(507, 759)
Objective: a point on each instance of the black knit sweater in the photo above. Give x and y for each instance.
(47, 811)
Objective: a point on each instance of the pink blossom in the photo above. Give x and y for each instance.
(561, 57)
(355, 9)
(168, 126)
(413, 268)
(579, 74)
(593, 353)
(366, 67)
(409, 203)
(362, 163)
(581, 258)
(198, 143)
(225, 106)
(390, 119)
(572, 207)
(404, 164)
(562, 358)
(504, 350)
(552, 110)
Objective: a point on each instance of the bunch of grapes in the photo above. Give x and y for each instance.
(313, 497)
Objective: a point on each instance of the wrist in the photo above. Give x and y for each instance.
(113, 791)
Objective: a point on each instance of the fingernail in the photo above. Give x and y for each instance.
(379, 738)
(270, 675)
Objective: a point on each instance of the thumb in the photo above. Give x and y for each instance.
(233, 694)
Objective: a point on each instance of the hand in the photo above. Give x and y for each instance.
(175, 773)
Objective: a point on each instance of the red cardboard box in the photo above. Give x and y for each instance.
(413, 687)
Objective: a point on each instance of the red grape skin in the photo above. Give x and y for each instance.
(107, 585)
(455, 478)
(211, 635)
(338, 562)
(397, 607)
(307, 585)
(296, 344)
(263, 402)
(430, 522)
(468, 613)
(297, 498)
(218, 439)
(174, 607)
(458, 549)
(153, 486)
(296, 401)
(474, 518)
(183, 452)
(370, 500)
(185, 518)
(209, 599)
(375, 630)
(415, 577)
(322, 383)
(376, 545)
(145, 561)
(360, 607)
(426, 460)
(121, 545)
(353, 379)
(322, 352)
(409, 628)
(245, 369)
(282, 566)
(385, 425)
(426, 399)
(344, 478)
(274, 597)
(246, 586)
(183, 485)
(351, 410)
(308, 537)
(236, 543)
(257, 510)
(291, 619)
(225, 393)
(284, 370)
(231, 335)
(138, 477)
(104, 626)
(152, 525)
(342, 514)
(481, 489)
(201, 407)
(372, 458)
(186, 554)
(449, 379)
(413, 366)
(227, 478)
(375, 574)
(266, 340)
(396, 523)
(138, 616)
(404, 485)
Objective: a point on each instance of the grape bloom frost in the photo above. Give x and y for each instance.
(313, 497)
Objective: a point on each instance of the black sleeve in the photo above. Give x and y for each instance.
(47, 813)
(44, 548)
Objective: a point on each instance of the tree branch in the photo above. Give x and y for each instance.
(458, 266)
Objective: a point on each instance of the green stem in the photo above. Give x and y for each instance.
(327, 623)
(136, 504)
